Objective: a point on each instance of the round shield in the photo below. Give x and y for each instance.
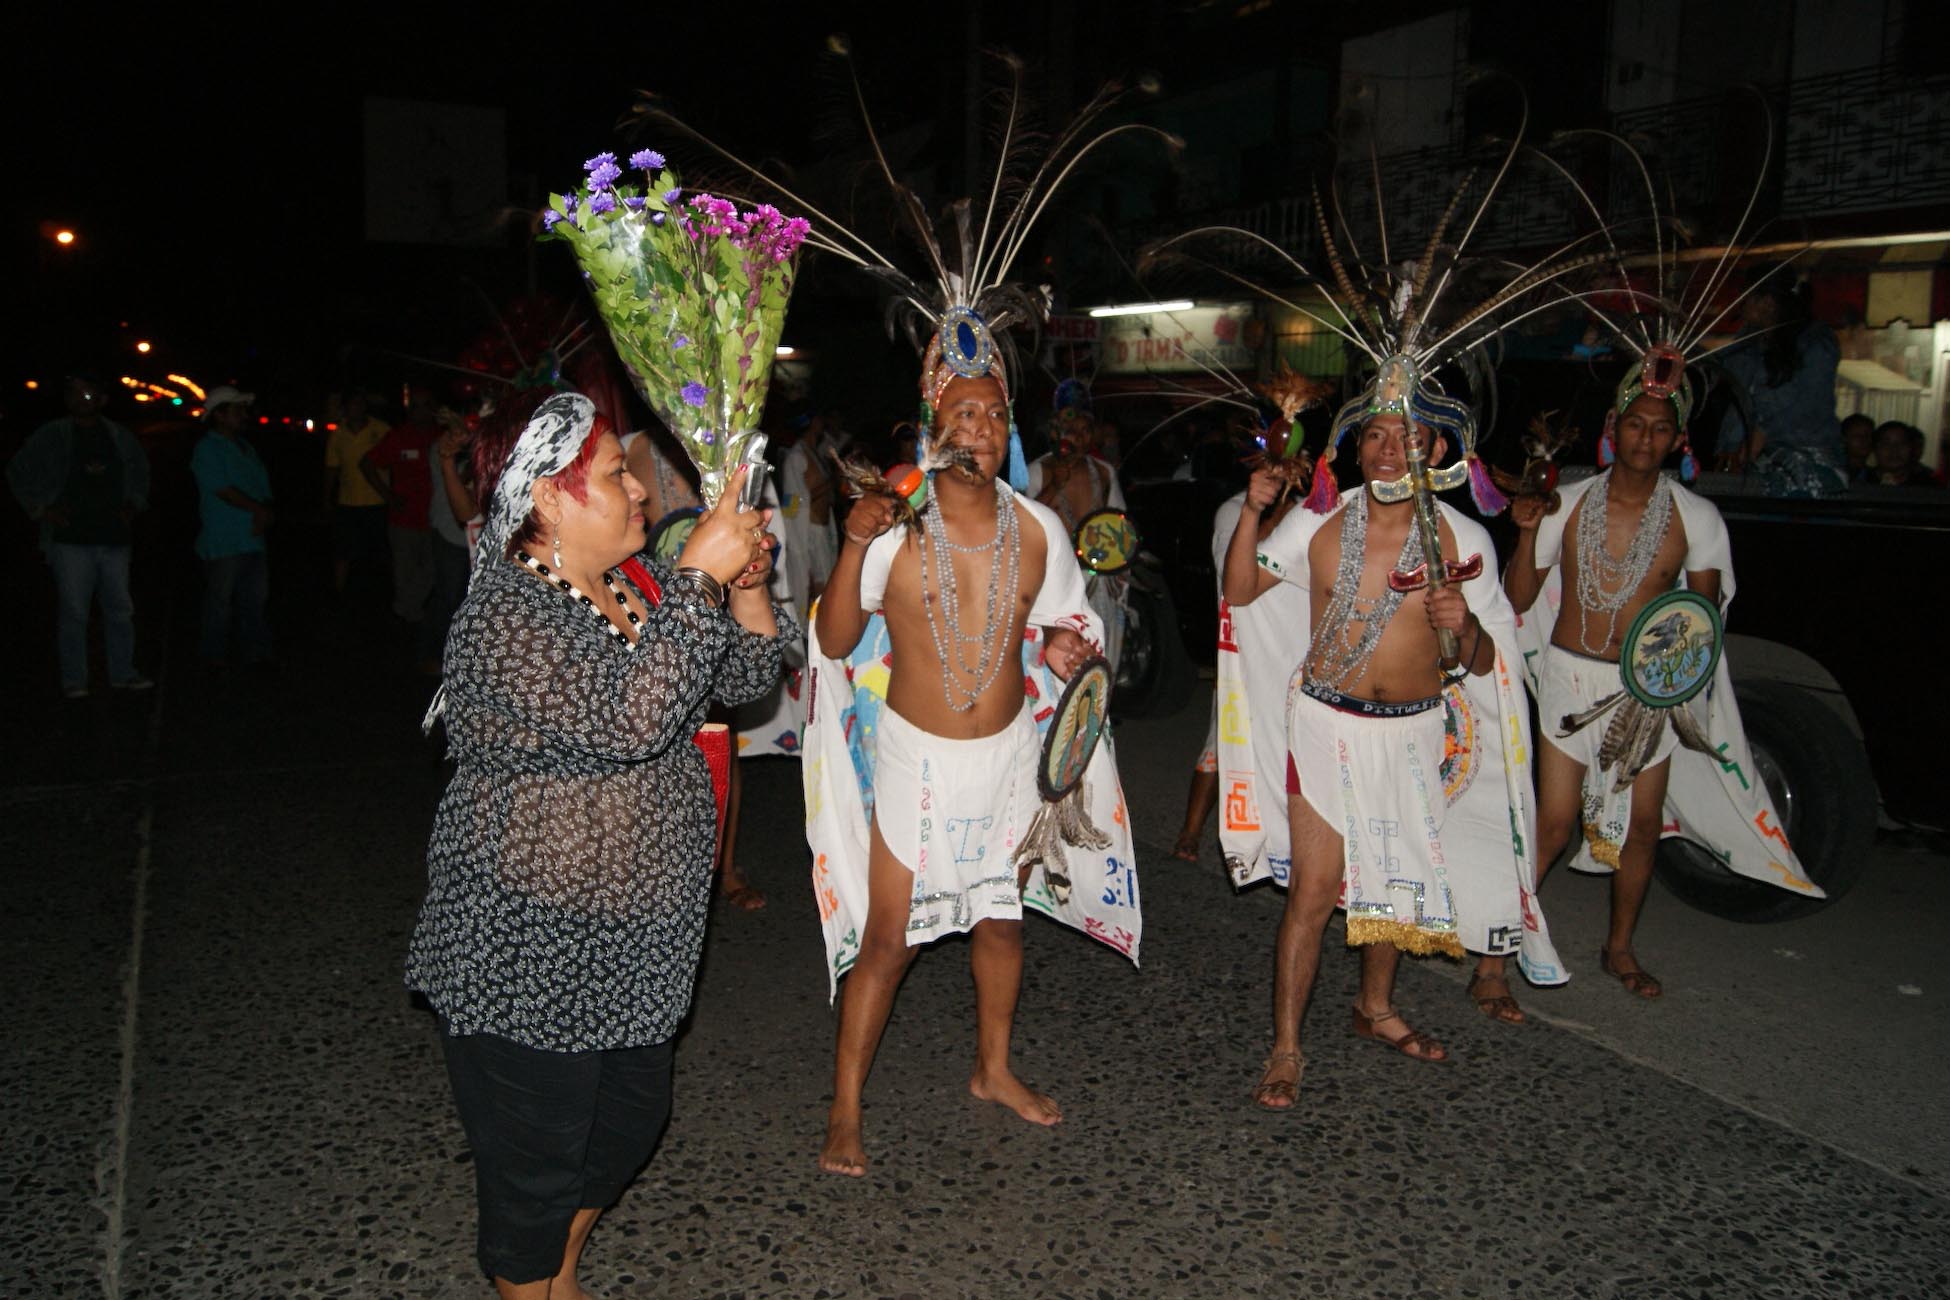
(1671, 649)
(667, 538)
(1075, 729)
(1107, 542)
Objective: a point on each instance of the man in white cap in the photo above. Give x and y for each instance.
(234, 496)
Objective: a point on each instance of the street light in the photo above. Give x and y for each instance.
(64, 237)
(142, 346)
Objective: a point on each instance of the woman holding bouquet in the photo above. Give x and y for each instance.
(570, 865)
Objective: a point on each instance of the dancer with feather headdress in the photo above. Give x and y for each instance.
(938, 652)
(1617, 764)
(1405, 757)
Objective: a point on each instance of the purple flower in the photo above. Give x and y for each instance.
(551, 219)
(695, 393)
(681, 341)
(602, 203)
(634, 203)
(602, 170)
(673, 196)
(656, 218)
(648, 160)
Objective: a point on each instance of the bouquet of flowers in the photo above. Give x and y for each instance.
(694, 294)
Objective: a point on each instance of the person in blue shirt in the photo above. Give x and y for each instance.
(83, 479)
(1784, 437)
(234, 496)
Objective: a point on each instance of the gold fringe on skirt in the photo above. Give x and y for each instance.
(1362, 930)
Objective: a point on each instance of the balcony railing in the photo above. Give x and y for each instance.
(1848, 143)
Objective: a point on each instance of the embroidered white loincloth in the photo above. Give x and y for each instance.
(1378, 782)
(1569, 683)
(952, 812)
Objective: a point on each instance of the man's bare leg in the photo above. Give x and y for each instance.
(1560, 813)
(866, 1003)
(995, 958)
(1199, 802)
(1312, 890)
(1375, 1004)
(1633, 879)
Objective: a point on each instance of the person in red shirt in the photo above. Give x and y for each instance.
(400, 469)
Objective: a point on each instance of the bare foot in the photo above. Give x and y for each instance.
(843, 1152)
(740, 893)
(1186, 850)
(1005, 1089)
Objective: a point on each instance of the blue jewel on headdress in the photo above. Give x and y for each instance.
(966, 344)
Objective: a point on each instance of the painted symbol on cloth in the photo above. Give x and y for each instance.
(1116, 936)
(959, 829)
(824, 894)
(1121, 889)
(1503, 939)
(1242, 810)
(1729, 765)
(1232, 717)
(1386, 831)
(1770, 831)
(1226, 641)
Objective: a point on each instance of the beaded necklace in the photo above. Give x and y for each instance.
(1005, 575)
(1333, 661)
(548, 575)
(1606, 585)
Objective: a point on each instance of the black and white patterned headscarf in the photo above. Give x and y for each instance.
(553, 437)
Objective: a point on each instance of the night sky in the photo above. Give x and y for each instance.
(214, 171)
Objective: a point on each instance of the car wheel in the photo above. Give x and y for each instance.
(1819, 778)
(1154, 674)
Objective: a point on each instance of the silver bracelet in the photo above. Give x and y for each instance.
(699, 584)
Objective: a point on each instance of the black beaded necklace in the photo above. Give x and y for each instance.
(547, 574)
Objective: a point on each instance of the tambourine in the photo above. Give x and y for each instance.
(1671, 649)
(1075, 729)
(1107, 542)
(667, 538)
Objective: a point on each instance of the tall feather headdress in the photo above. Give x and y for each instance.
(1403, 319)
(964, 302)
(1667, 329)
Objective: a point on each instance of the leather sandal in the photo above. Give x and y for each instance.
(1500, 1007)
(1414, 1044)
(1269, 1091)
(1639, 983)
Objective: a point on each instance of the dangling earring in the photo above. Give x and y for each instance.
(1607, 448)
(1688, 467)
(556, 550)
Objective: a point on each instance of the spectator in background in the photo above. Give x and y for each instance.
(83, 478)
(1858, 445)
(400, 469)
(234, 497)
(453, 506)
(1786, 366)
(357, 510)
(1899, 456)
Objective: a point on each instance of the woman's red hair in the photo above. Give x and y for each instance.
(496, 442)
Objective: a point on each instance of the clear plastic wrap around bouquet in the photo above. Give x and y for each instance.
(694, 294)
